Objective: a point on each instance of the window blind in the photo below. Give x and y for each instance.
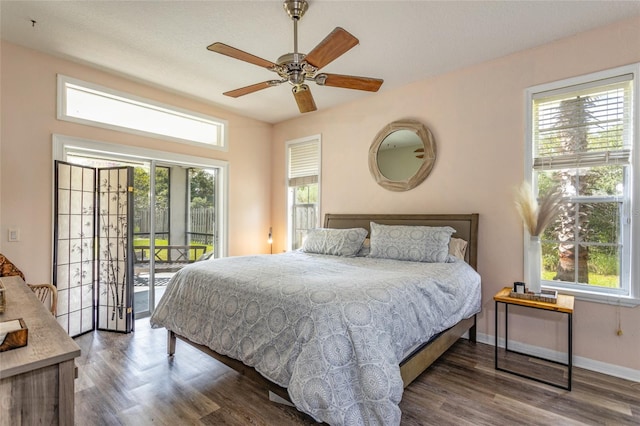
(582, 159)
(583, 126)
(304, 163)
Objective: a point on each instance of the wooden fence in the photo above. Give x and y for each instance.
(202, 224)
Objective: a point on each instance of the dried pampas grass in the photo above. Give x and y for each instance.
(536, 216)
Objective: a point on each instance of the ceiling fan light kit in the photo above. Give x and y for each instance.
(297, 68)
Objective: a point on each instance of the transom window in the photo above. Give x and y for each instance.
(94, 105)
(581, 141)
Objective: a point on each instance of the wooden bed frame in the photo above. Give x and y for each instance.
(466, 226)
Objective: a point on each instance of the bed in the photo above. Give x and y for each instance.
(339, 336)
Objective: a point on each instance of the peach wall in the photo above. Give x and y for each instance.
(29, 119)
(477, 118)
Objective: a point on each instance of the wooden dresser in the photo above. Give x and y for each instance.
(36, 381)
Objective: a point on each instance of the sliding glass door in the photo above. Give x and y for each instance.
(179, 210)
(152, 218)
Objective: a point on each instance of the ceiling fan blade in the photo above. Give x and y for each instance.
(349, 82)
(241, 55)
(250, 89)
(304, 98)
(335, 44)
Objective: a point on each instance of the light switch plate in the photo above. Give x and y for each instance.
(14, 235)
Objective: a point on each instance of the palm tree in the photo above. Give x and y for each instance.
(572, 120)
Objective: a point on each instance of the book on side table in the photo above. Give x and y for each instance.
(548, 296)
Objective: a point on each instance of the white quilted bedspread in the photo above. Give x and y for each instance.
(330, 329)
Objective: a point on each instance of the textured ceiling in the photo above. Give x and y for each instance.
(163, 43)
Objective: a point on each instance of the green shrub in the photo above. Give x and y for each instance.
(603, 263)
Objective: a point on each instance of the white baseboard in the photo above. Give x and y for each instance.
(578, 361)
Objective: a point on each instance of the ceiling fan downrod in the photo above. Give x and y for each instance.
(291, 63)
(295, 9)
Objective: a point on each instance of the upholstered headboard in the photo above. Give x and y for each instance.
(466, 225)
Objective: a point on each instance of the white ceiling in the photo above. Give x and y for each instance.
(163, 43)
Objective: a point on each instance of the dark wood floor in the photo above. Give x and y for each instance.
(129, 380)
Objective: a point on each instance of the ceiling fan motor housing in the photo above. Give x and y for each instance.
(292, 68)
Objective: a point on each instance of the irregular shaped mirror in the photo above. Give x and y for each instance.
(402, 155)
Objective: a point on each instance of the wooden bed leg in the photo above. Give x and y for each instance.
(171, 342)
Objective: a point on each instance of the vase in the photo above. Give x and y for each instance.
(534, 257)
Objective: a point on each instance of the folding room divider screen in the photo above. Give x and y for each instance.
(93, 264)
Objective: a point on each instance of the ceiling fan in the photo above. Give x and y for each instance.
(298, 68)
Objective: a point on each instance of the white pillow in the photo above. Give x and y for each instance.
(458, 247)
(337, 242)
(415, 243)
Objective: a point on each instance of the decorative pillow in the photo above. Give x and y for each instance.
(8, 269)
(458, 247)
(337, 242)
(415, 243)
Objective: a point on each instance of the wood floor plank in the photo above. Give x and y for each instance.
(127, 379)
(521, 409)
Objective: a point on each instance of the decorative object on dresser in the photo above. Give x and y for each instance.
(326, 306)
(8, 269)
(13, 334)
(535, 217)
(393, 162)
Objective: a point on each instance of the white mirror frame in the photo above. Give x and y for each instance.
(429, 155)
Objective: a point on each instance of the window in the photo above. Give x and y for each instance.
(86, 103)
(303, 182)
(583, 140)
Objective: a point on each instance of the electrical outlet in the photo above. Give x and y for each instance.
(14, 235)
